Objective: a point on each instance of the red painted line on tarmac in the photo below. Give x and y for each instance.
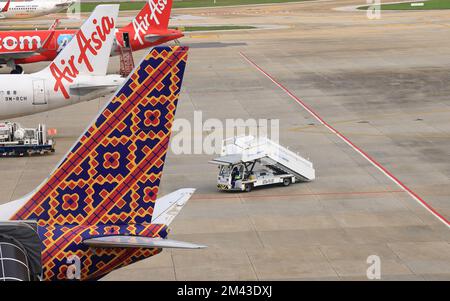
(352, 145)
(234, 195)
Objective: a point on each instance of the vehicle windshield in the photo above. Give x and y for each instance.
(225, 171)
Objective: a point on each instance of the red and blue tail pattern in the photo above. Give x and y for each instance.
(112, 174)
(108, 182)
(63, 246)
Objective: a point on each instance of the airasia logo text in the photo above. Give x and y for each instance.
(12, 43)
(67, 71)
(156, 9)
(142, 23)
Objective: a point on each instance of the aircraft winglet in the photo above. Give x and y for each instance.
(55, 24)
(6, 7)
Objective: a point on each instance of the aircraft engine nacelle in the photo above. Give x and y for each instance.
(20, 254)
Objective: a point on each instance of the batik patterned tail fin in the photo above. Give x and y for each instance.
(112, 174)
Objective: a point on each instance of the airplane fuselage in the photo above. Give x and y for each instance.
(27, 94)
(16, 42)
(32, 9)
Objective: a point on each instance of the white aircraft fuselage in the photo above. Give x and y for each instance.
(26, 94)
(78, 73)
(31, 9)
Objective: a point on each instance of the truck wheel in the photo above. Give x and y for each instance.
(286, 181)
(248, 187)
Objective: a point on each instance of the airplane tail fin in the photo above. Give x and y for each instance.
(6, 7)
(88, 52)
(111, 175)
(152, 20)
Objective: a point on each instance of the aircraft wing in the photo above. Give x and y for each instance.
(93, 86)
(17, 55)
(155, 37)
(138, 242)
(64, 4)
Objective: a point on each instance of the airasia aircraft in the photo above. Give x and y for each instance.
(148, 28)
(78, 72)
(31, 9)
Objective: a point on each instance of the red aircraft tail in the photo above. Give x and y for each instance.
(158, 13)
(6, 7)
(151, 23)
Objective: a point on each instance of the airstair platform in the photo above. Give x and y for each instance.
(268, 153)
(126, 61)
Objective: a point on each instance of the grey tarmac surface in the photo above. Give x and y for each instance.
(382, 83)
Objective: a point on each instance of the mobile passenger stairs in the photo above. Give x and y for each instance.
(126, 61)
(248, 162)
(126, 56)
